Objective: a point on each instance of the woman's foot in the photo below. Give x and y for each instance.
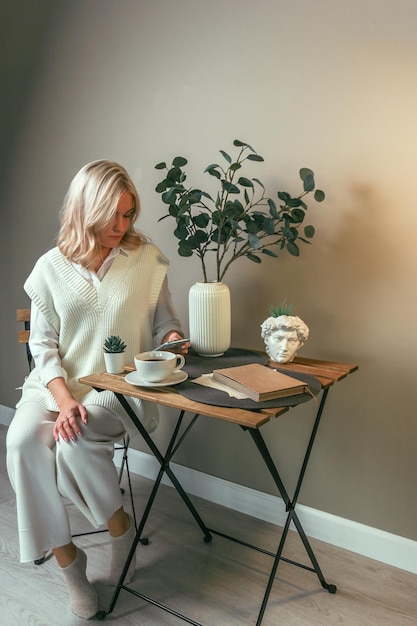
(83, 596)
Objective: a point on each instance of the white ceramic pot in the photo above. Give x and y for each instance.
(209, 318)
(115, 362)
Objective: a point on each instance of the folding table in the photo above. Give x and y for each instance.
(251, 421)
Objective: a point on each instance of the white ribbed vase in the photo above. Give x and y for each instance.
(209, 318)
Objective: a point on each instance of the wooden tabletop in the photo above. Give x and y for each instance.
(327, 372)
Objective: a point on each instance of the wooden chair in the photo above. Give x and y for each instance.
(23, 316)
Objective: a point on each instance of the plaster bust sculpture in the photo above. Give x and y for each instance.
(283, 336)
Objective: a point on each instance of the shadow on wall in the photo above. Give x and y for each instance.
(28, 25)
(336, 284)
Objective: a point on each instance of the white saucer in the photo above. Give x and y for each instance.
(177, 377)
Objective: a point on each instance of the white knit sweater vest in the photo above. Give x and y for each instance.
(83, 316)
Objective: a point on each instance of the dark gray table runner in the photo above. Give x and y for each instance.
(195, 366)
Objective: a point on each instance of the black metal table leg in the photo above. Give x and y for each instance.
(164, 461)
(290, 508)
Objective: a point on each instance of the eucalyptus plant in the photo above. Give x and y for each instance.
(239, 220)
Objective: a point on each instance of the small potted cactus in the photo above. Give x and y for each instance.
(114, 356)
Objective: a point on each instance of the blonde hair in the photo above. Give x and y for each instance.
(90, 203)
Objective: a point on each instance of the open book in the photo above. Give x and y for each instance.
(259, 382)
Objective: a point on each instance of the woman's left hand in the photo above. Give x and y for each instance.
(173, 336)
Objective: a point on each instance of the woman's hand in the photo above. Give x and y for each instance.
(173, 335)
(67, 425)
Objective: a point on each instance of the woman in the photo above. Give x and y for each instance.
(102, 279)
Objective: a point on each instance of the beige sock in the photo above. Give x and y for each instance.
(83, 596)
(120, 549)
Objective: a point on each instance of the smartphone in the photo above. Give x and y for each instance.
(172, 344)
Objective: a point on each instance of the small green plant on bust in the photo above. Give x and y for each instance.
(114, 344)
(239, 220)
(283, 333)
(281, 309)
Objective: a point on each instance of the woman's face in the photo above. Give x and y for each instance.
(112, 234)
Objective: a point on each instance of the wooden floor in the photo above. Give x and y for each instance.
(216, 584)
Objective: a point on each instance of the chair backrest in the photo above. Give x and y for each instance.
(23, 315)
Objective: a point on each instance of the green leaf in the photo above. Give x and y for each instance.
(252, 226)
(289, 233)
(234, 167)
(184, 249)
(269, 226)
(215, 217)
(201, 220)
(170, 196)
(253, 257)
(181, 232)
(309, 231)
(255, 157)
(273, 209)
(198, 238)
(175, 175)
(179, 161)
(242, 144)
(230, 187)
(304, 172)
(232, 212)
(253, 240)
(184, 220)
(194, 196)
(211, 169)
(226, 156)
(269, 252)
(319, 195)
(294, 202)
(297, 216)
(245, 182)
(161, 187)
(259, 182)
(309, 183)
(292, 248)
(184, 209)
(284, 196)
(161, 166)
(238, 206)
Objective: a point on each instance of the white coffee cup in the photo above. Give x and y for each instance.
(157, 365)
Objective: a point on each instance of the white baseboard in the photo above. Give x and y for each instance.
(343, 533)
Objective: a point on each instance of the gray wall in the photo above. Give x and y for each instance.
(324, 84)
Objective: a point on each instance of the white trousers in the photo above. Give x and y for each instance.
(42, 472)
